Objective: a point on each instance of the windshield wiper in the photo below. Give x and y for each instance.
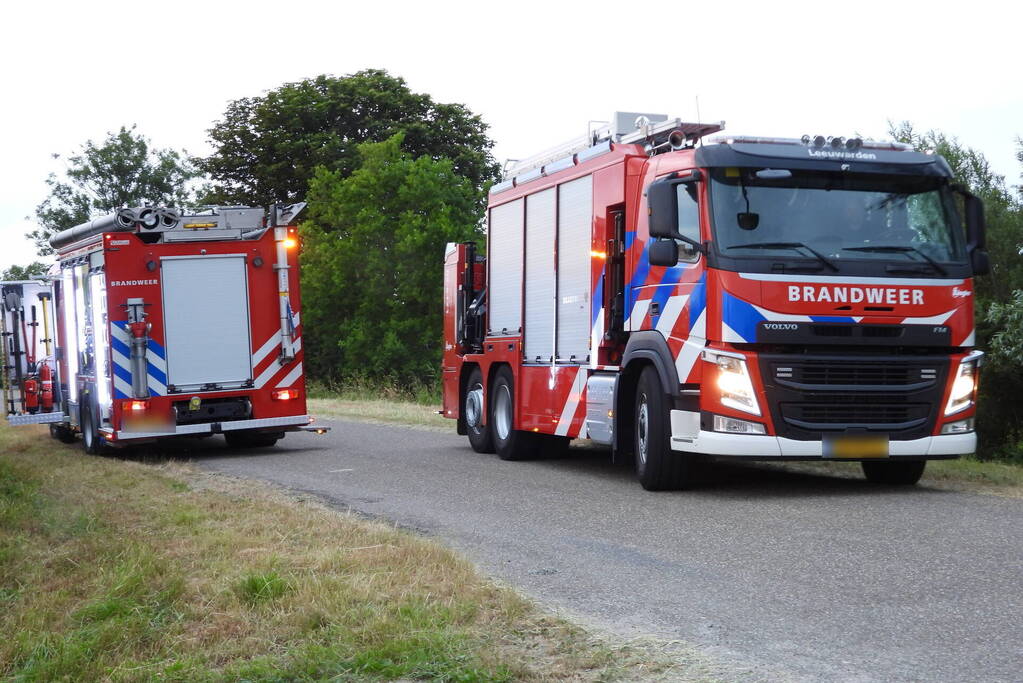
(899, 249)
(787, 245)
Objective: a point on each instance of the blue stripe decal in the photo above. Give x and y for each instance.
(638, 280)
(118, 394)
(598, 298)
(698, 300)
(123, 373)
(156, 374)
(120, 347)
(831, 319)
(156, 348)
(740, 316)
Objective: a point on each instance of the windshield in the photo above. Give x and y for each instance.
(831, 217)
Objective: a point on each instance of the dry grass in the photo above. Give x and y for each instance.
(112, 569)
(379, 410)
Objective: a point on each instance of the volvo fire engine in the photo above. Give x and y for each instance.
(673, 295)
(172, 324)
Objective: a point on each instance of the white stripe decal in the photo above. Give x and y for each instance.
(596, 335)
(290, 378)
(691, 348)
(572, 402)
(730, 335)
(122, 386)
(932, 320)
(638, 313)
(266, 348)
(669, 316)
(891, 282)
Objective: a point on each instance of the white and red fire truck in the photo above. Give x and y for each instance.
(170, 324)
(753, 298)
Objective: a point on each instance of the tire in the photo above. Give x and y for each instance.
(905, 473)
(244, 439)
(92, 442)
(62, 433)
(658, 468)
(480, 437)
(510, 443)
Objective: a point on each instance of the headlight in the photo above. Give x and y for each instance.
(964, 387)
(734, 381)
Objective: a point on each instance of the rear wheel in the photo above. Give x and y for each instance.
(92, 442)
(480, 437)
(62, 433)
(905, 473)
(510, 443)
(657, 466)
(241, 439)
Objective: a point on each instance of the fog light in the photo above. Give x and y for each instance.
(730, 425)
(960, 427)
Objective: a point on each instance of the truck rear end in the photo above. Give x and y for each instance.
(181, 325)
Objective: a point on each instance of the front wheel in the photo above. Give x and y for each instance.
(657, 466)
(480, 435)
(905, 473)
(510, 443)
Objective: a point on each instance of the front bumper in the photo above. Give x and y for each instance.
(289, 423)
(686, 436)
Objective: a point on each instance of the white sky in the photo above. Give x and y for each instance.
(535, 71)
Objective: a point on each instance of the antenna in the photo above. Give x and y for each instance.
(698, 119)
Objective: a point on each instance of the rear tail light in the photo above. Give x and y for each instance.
(284, 394)
(138, 406)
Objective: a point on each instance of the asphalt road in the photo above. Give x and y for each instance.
(783, 575)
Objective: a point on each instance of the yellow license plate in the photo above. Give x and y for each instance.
(856, 447)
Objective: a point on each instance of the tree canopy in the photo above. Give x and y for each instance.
(372, 267)
(123, 170)
(32, 271)
(267, 148)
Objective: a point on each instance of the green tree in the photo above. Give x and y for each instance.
(32, 271)
(123, 170)
(267, 148)
(999, 296)
(372, 266)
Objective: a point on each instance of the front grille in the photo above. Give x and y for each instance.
(842, 374)
(808, 396)
(841, 411)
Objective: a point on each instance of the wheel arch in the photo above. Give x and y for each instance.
(644, 349)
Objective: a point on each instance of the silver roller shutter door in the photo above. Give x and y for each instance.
(206, 320)
(505, 286)
(575, 211)
(540, 301)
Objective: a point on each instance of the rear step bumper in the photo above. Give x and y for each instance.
(290, 423)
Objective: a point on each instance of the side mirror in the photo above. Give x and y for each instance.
(975, 228)
(980, 262)
(663, 253)
(662, 207)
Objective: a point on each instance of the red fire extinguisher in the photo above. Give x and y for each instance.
(31, 385)
(46, 387)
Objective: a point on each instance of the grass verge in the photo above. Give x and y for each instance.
(113, 569)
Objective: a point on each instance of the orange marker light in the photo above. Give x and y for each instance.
(290, 242)
(284, 394)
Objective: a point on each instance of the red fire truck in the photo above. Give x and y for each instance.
(170, 324)
(753, 298)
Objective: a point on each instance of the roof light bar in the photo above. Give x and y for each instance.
(818, 141)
